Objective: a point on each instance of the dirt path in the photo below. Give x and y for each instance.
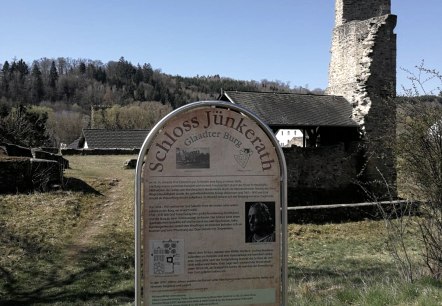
(104, 215)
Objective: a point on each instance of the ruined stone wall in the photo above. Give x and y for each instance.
(99, 151)
(15, 174)
(363, 70)
(349, 10)
(323, 175)
(18, 174)
(363, 62)
(24, 169)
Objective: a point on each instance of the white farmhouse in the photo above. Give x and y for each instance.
(289, 137)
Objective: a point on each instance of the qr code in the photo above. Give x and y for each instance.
(166, 256)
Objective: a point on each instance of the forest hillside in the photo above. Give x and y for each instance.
(49, 100)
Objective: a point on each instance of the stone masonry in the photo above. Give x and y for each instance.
(363, 70)
(349, 10)
(363, 54)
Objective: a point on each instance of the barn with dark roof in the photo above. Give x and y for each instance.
(111, 139)
(323, 119)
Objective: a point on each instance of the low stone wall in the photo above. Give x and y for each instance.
(328, 214)
(15, 174)
(46, 173)
(323, 175)
(52, 150)
(351, 212)
(40, 154)
(99, 151)
(15, 150)
(23, 169)
(3, 151)
(19, 174)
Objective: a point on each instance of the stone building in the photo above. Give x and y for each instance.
(348, 133)
(363, 56)
(363, 70)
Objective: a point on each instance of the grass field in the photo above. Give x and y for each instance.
(75, 247)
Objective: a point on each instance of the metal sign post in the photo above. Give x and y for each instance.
(211, 210)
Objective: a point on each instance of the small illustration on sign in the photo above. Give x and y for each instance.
(166, 256)
(243, 157)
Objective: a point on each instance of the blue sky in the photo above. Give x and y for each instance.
(285, 40)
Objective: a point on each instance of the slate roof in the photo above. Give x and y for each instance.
(294, 110)
(75, 144)
(113, 139)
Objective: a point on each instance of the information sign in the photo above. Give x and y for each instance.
(213, 184)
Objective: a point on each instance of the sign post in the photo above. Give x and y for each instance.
(210, 210)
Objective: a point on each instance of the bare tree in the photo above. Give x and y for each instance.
(419, 161)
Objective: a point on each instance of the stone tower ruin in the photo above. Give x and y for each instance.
(363, 70)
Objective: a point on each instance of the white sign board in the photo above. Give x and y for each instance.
(213, 192)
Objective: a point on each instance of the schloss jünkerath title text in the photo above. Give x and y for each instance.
(212, 118)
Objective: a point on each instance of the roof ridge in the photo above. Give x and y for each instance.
(276, 108)
(279, 93)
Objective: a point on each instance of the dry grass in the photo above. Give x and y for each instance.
(71, 245)
(75, 247)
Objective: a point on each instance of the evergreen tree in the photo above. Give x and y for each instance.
(53, 76)
(147, 73)
(22, 69)
(82, 68)
(18, 83)
(13, 67)
(90, 71)
(5, 68)
(36, 84)
(38, 135)
(24, 127)
(100, 75)
(116, 82)
(4, 88)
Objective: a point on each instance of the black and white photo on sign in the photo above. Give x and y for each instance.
(194, 158)
(260, 221)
